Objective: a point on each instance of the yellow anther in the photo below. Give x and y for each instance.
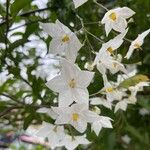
(113, 16)
(55, 129)
(72, 83)
(65, 38)
(109, 49)
(114, 65)
(75, 117)
(137, 45)
(109, 89)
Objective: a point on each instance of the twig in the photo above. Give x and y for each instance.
(26, 14)
(102, 6)
(6, 111)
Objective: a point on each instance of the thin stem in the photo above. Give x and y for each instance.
(26, 14)
(101, 41)
(102, 6)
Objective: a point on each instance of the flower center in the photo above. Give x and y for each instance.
(109, 49)
(75, 117)
(72, 83)
(137, 45)
(109, 89)
(114, 65)
(55, 129)
(113, 16)
(65, 38)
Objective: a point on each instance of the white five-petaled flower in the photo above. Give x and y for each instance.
(122, 104)
(110, 63)
(53, 133)
(71, 143)
(116, 19)
(111, 92)
(102, 121)
(64, 41)
(137, 43)
(76, 115)
(114, 43)
(71, 84)
(78, 3)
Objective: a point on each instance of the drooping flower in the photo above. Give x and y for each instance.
(137, 43)
(111, 92)
(71, 143)
(71, 84)
(76, 115)
(78, 3)
(64, 41)
(114, 43)
(53, 133)
(102, 122)
(116, 19)
(122, 104)
(110, 63)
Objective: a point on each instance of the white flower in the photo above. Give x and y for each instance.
(71, 84)
(77, 115)
(71, 143)
(78, 3)
(102, 121)
(114, 43)
(101, 101)
(116, 19)
(64, 41)
(111, 92)
(138, 87)
(54, 134)
(104, 61)
(137, 43)
(121, 105)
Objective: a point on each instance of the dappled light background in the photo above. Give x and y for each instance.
(26, 64)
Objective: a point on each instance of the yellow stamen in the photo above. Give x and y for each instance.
(75, 117)
(55, 129)
(65, 38)
(109, 89)
(109, 49)
(72, 83)
(113, 16)
(137, 45)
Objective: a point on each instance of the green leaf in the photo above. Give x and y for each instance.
(28, 120)
(135, 133)
(18, 5)
(132, 81)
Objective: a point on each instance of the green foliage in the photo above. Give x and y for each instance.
(136, 126)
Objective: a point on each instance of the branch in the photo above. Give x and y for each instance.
(102, 6)
(6, 111)
(26, 14)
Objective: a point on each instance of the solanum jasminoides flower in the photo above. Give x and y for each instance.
(64, 41)
(114, 43)
(116, 19)
(101, 122)
(77, 115)
(137, 43)
(78, 3)
(71, 84)
(104, 62)
(71, 143)
(53, 133)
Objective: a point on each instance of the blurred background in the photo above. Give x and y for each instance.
(26, 64)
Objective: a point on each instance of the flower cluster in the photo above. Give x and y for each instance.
(76, 108)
